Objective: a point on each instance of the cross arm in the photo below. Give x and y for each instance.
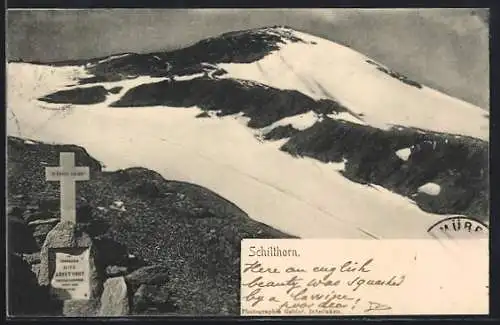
(81, 173)
(53, 173)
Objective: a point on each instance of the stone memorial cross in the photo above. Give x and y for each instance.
(67, 257)
(67, 173)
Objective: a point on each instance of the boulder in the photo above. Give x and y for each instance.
(115, 270)
(40, 232)
(33, 258)
(153, 298)
(114, 298)
(156, 274)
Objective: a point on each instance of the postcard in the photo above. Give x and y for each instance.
(271, 162)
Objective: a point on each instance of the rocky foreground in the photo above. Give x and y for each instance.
(177, 244)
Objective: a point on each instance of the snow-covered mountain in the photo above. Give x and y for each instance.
(302, 133)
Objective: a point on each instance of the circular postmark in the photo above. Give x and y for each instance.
(459, 227)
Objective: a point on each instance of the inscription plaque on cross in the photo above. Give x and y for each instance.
(67, 173)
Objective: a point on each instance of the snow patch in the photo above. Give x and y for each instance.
(404, 153)
(113, 57)
(30, 81)
(299, 122)
(189, 77)
(338, 166)
(303, 197)
(126, 84)
(251, 83)
(345, 116)
(430, 189)
(118, 205)
(239, 117)
(329, 70)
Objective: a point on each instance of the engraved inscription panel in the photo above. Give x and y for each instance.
(70, 279)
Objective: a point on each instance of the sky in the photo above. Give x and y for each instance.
(447, 49)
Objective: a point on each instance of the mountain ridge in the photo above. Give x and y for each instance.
(146, 52)
(210, 57)
(318, 92)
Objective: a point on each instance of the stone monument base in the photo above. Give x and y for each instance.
(81, 308)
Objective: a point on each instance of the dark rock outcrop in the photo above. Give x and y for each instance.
(236, 47)
(281, 132)
(79, 96)
(262, 104)
(115, 90)
(458, 164)
(26, 297)
(20, 237)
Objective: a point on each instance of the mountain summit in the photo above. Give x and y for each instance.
(283, 58)
(294, 129)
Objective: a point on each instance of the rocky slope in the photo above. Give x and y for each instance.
(177, 243)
